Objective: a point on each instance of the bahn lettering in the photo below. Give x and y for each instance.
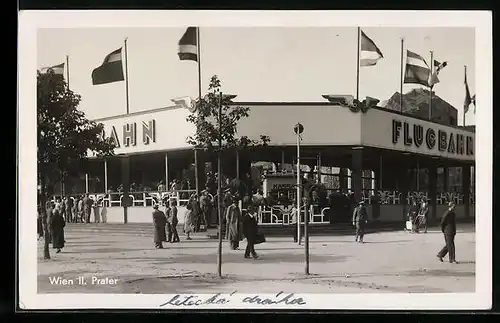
(129, 134)
(441, 140)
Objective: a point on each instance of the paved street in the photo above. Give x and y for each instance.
(387, 262)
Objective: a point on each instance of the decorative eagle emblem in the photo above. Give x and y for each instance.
(186, 102)
(353, 104)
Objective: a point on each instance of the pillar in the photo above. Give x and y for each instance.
(282, 165)
(342, 179)
(105, 176)
(446, 179)
(403, 179)
(466, 181)
(433, 192)
(356, 173)
(196, 171)
(167, 183)
(319, 168)
(126, 183)
(237, 163)
(86, 182)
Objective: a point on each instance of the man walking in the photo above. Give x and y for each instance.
(359, 219)
(449, 229)
(159, 221)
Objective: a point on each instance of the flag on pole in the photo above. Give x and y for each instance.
(438, 67)
(417, 71)
(111, 69)
(468, 99)
(188, 45)
(57, 69)
(370, 54)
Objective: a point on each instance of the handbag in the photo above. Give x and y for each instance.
(260, 238)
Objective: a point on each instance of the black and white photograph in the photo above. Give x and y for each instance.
(255, 160)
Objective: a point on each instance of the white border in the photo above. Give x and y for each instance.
(30, 21)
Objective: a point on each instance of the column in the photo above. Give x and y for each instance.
(237, 163)
(342, 179)
(86, 182)
(319, 168)
(446, 179)
(167, 183)
(105, 176)
(356, 173)
(404, 178)
(282, 165)
(466, 181)
(196, 171)
(125, 161)
(433, 191)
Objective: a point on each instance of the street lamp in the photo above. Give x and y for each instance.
(298, 129)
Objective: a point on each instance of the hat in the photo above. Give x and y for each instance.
(361, 202)
(155, 206)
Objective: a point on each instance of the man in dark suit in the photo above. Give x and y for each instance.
(449, 229)
(359, 219)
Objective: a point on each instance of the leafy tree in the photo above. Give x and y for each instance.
(65, 136)
(208, 133)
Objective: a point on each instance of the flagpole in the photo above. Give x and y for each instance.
(198, 58)
(465, 78)
(67, 70)
(401, 75)
(430, 92)
(126, 77)
(357, 67)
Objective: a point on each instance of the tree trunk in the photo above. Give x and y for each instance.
(43, 199)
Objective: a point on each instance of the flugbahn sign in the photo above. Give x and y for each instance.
(414, 134)
(127, 134)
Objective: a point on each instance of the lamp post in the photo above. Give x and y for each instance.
(298, 129)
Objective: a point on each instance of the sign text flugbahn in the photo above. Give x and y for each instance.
(443, 141)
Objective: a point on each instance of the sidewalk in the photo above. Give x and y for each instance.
(387, 262)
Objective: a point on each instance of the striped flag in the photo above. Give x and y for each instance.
(370, 54)
(438, 67)
(57, 69)
(417, 71)
(188, 45)
(111, 69)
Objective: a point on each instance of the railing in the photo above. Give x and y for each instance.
(280, 215)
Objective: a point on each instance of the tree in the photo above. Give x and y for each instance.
(212, 129)
(65, 136)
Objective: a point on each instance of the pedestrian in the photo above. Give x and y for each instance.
(81, 211)
(422, 215)
(449, 229)
(49, 208)
(174, 222)
(359, 219)
(294, 216)
(159, 221)
(97, 213)
(168, 214)
(250, 231)
(57, 225)
(39, 221)
(206, 208)
(87, 207)
(68, 204)
(233, 220)
(188, 221)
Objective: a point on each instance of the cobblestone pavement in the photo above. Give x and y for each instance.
(124, 254)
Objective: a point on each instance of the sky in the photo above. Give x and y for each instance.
(258, 64)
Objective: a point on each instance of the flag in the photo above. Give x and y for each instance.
(468, 99)
(111, 69)
(188, 45)
(370, 54)
(417, 71)
(57, 69)
(434, 78)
